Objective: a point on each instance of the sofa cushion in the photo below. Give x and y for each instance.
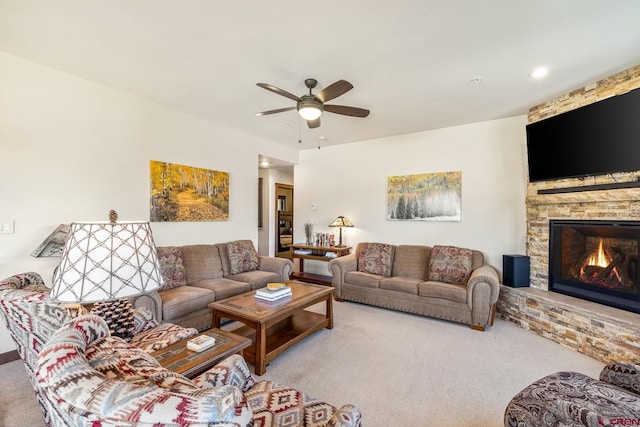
(411, 261)
(201, 262)
(184, 300)
(276, 404)
(360, 278)
(171, 267)
(223, 288)
(256, 278)
(450, 264)
(376, 258)
(401, 284)
(242, 256)
(161, 336)
(448, 291)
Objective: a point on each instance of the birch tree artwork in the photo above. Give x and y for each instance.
(425, 197)
(186, 193)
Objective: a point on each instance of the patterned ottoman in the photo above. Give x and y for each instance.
(574, 399)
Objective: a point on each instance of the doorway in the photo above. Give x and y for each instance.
(284, 219)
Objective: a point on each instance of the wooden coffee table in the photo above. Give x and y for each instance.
(177, 358)
(275, 326)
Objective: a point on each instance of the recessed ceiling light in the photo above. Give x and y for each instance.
(264, 163)
(476, 80)
(539, 72)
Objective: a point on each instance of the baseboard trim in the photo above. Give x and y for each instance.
(9, 356)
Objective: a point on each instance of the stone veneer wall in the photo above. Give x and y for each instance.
(593, 329)
(621, 204)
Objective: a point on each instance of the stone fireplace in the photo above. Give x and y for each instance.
(596, 261)
(603, 331)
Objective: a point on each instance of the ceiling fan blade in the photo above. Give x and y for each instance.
(313, 123)
(334, 90)
(279, 110)
(346, 111)
(279, 91)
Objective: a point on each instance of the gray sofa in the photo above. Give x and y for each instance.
(444, 281)
(196, 275)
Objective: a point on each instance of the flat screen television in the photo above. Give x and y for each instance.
(597, 139)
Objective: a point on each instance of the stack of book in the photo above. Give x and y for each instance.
(267, 294)
(201, 342)
(303, 251)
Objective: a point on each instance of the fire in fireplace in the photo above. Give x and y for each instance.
(596, 261)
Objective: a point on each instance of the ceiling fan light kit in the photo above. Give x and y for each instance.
(309, 109)
(311, 106)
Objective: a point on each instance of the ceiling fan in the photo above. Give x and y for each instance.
(311, 106)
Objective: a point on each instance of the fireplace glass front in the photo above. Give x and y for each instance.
(596, 261)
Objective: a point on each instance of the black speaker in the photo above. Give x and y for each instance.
(515, 270)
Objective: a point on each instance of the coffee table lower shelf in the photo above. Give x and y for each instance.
(284, 334)
(318, 279)
(179, 359)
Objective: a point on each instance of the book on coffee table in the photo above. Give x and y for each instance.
(201, 342)
(273, 294)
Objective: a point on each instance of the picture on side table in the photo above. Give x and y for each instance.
(186, 193)
(425, 197)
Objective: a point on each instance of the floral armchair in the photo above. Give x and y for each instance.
(31, 318)
(88, 377)
(575, 399)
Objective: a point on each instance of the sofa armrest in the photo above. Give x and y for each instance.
(22, 280)
(152, 301)
(281, 266)
(485, 274)
(346, 416)
(231, 371)
(622, 374)
(338, 268)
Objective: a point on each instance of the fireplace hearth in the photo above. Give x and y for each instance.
(596, 261)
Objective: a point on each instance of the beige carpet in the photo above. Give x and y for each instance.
(400, 369)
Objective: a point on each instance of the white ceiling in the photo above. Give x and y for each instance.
(411, 62)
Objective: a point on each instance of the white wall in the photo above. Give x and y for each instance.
(351, 180)
(71, 150)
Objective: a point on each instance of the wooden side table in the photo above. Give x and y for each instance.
(317, 253)
(179, 359)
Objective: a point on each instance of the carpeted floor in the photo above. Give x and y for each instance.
(400, 369)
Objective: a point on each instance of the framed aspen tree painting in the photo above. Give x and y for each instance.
(186, 193)
(425, 197)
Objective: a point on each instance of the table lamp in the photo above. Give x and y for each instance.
(105, 262)
(341, 222)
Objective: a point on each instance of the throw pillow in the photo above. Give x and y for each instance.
(119, 317)
(450, 265)
(171, 267)
(376, 258)
(242, 256)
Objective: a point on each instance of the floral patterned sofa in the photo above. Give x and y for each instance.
(574, 399)
(88, 377)
(31, 318)
(442, 281)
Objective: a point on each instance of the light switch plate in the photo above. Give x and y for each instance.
(6, 227)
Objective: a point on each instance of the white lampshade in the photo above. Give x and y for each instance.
(105, 261)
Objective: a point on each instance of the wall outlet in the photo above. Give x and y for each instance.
(7, 227)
